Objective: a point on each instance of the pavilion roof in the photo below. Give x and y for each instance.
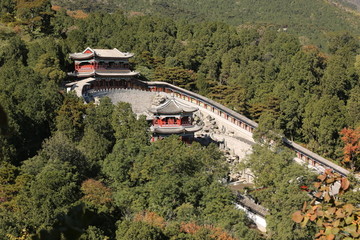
(110, 73)
(171, 106)
(102, 53)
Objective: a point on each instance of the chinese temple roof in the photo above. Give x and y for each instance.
(171, 106)
(101, 53)
(110, 73)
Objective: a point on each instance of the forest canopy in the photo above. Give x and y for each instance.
(310, 19)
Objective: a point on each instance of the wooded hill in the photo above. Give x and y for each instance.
(310, 19)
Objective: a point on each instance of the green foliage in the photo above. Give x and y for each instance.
(169, 180)
(95, 147)
(13, 49)
(10, 186)
(49, 68)
(7, 10)
(35, 14)
(173, 179)
(98, 138)
(353, 107)
(49, 195)
(126, 125)
(3, 121)
(60, 147)
(29, 103)
(93, 233)
(268, 131)
(336, 80)
(278, 179)
(70, 118)
(323, 120)
(138, 230)
(176, 76)
(131, 135)
(343, 44)
(304, 17)
(233, 97)
(78, 223)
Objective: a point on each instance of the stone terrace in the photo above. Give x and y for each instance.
(140, 100)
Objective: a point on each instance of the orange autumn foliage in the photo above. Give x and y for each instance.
(55, 8)
(216, 232)
(219, 234)
(79, 14)
(310, 48)
(153, 219)
(351, 139)
(150, 218)
(96, 193)
(190, 228)
(132, 14)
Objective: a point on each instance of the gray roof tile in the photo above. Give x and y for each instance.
(171, 106)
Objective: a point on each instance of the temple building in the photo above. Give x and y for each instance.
(173, 117)
(101, 69)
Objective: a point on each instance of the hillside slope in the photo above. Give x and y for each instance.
(311, 18)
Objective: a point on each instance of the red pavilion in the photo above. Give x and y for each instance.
(101, 69)
(173, 117)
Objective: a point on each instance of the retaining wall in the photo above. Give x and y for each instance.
(302, 153)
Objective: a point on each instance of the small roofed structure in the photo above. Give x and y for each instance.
(102, 62)
(108, 67)
(173, 117)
